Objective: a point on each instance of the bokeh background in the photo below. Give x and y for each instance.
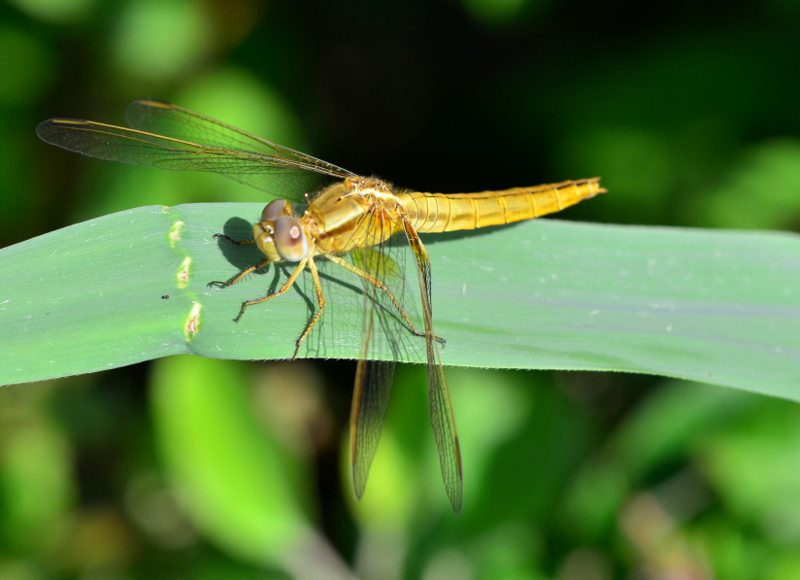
(190, 468)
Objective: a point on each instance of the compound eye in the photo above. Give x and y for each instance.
(289, 238)
(275, 209)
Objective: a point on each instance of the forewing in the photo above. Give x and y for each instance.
(189, 142)
(167, 119)
(442, 419)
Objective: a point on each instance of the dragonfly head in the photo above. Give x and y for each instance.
(279, 235)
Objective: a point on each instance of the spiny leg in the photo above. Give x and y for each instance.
(320, 300)
(231, 240)
(423, 264)
(289, 283)
(243, 273)
(381, 286)
(282, 290)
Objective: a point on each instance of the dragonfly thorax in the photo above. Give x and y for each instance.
(355, 212)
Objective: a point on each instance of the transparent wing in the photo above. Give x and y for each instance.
(177, 122)
(385, 329)
(371, 393)
(182, 140)
(373, 384)
(442, 419)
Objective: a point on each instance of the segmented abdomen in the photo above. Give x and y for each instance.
(438, 212)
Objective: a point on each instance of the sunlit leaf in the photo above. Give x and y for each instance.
(715, 306)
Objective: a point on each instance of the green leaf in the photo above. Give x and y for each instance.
(230, 472)
(716, 306)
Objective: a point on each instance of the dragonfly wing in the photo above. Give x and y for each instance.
(373, 384)
(442, 419)
(162, 118)
(114, 143)
(444, 427)
(370, 400)
(181, 140)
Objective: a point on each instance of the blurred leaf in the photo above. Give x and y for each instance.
(661, 431)
(515, 485)
(232, 475)
(157, 39)
(27, 74)
(719, 307)
(56, 11)
(734, 462)
(767, 178)
(35, 486)
(238, 483)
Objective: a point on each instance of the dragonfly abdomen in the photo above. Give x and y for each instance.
(438, 212)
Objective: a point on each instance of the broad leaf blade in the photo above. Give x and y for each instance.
(716, 306)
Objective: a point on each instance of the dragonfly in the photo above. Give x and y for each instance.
(364, 218)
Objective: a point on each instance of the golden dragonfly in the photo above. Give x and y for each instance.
(353, 215)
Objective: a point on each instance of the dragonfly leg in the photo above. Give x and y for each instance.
(231, 240)
(320, 300)
(241, 275)
(381, 286)
(282, 290)
(424, 276)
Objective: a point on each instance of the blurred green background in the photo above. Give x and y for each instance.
(194, 468)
